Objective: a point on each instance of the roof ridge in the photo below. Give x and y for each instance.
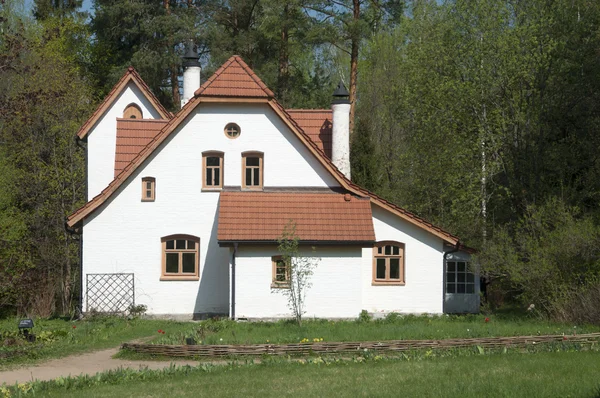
(279, 109)
(307, 110)
(130, 75)
(240, 62)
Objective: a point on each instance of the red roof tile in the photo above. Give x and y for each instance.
(317, 124)
(262, 216)
(319, 153)
(234, 79)
(132, 136)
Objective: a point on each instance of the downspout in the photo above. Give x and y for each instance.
(235, 247)
(444, 258)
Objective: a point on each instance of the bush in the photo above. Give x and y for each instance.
(364, 316)
(551, 259)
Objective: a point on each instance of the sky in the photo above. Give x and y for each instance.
(87, 5)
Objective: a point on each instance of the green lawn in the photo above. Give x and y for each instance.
(394, 327)
(549, 374)
(58, 338)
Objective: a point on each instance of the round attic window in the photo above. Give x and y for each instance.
(232, 130)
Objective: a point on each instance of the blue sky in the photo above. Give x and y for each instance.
(87, 5)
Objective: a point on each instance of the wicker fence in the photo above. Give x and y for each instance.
(349, 347)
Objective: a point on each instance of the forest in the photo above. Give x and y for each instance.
(481, 116)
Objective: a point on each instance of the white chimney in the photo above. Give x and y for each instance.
(340, 135)
(191, 73)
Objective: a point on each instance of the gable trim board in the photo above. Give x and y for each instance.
(211, 86)
(131, 75)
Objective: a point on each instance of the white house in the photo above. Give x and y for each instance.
(186, 208)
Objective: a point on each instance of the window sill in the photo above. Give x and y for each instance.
(211, 189)
(147, 200)
(275, 285)
(252, 188)
(386, 283)
(179, 278)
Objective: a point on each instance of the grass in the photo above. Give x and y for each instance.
(544, 374)
(394, 327)
(58, 338)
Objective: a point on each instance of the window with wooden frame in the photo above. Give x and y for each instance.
(388, 263)
(212, 165)
(459, 278)
(252, 170)
(232, 130)
(180, 257)
(281, 272)
(148, 189)
(132, 111)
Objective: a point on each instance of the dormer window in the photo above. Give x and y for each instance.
(252, 170)
(232, 130)
(212, 164)
(148, 189)
(132, 111)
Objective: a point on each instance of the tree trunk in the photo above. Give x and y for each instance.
(284, 59)
(354, 64)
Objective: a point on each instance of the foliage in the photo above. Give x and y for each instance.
(549, 258)
(300, 267)
(43, 100)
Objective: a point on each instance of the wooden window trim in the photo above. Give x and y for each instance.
(133, 110)
(229, 126)
(275, 284)
(152, 181)
(402, 254)
(260, 156)
(221, 156)
(180, 276)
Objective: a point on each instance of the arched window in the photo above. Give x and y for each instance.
(180, 257)
(388, 263)
(132, 111)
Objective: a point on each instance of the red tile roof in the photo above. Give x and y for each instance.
(324, 217)
(319, 154)
(130, 75)
(235, 79)
(132, 136)
(317, 124)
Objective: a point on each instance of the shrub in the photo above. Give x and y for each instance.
(550, 258)
(364, 316)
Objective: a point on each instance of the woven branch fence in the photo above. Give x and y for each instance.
(349, 347)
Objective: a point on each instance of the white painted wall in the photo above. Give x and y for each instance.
(335, 291)
(340, 138)
(124, 234)
(102, 138)
(423, 291)
(191, 82)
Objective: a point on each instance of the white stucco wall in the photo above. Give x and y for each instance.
(124, 234)
(422, 292)
(102, 138)
(335, 290)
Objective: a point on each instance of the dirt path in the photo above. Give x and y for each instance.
(90, 363)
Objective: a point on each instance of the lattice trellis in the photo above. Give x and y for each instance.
(109, 292)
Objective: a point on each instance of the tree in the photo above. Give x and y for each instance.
(43, 101)
(300, 269)
(149, 35)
